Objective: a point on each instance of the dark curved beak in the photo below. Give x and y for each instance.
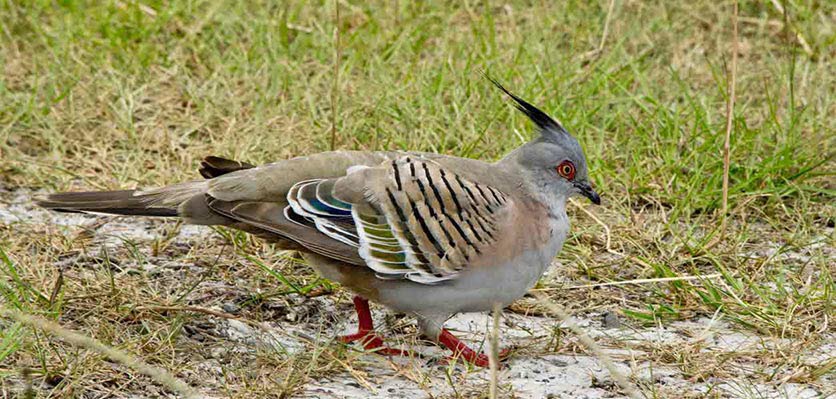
(588, 192)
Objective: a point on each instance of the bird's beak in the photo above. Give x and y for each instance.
(588, 192)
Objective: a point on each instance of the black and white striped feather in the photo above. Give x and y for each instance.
(414, 219)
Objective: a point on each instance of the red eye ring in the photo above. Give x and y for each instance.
(566, 169)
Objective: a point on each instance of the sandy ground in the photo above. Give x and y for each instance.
(539, 368)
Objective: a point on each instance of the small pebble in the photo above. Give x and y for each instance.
(230, 307)
(611, 320)
(217, 353)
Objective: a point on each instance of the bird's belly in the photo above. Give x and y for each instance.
(473, 291)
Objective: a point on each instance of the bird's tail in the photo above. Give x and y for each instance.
(165, 201)
(158, 202)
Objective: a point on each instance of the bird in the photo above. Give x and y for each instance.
(424, 234)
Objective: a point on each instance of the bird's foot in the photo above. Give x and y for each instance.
(365, 332)
(371, 342)
(462, 351)
(347, 339)
(480, 359)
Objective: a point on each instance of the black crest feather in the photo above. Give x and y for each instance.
(540, 118)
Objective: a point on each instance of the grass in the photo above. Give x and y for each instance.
(120, 94)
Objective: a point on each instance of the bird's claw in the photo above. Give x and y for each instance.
(479, 360)
(372, 343)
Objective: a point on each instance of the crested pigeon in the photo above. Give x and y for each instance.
(425, 234)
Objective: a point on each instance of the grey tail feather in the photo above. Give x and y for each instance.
(164, 201)
(213, 166)
(122, 202)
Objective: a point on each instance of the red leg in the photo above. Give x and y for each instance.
(461, 349)
(365, 331)
(365, 326)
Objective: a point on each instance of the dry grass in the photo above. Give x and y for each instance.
(129, 94)
(157, 374)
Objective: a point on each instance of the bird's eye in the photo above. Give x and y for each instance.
(567, 170)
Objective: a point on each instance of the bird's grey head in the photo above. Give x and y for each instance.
(553, 161)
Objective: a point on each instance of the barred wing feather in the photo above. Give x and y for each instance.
(408, 218)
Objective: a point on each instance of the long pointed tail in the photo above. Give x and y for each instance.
(165, 201)
(123, 202)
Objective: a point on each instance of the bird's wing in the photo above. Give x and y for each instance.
(254, 199)
(272, 181)
(404, 215)
(271, 218)
(407, 218)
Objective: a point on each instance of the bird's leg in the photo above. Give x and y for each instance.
(365, 331)
(365, 326)
(460, 349)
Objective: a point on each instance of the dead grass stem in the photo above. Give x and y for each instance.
(629, 389)
(732, 79)
(158, 374)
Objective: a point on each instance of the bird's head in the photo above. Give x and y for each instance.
(553, 161)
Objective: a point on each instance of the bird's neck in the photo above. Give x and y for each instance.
(555, 206)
